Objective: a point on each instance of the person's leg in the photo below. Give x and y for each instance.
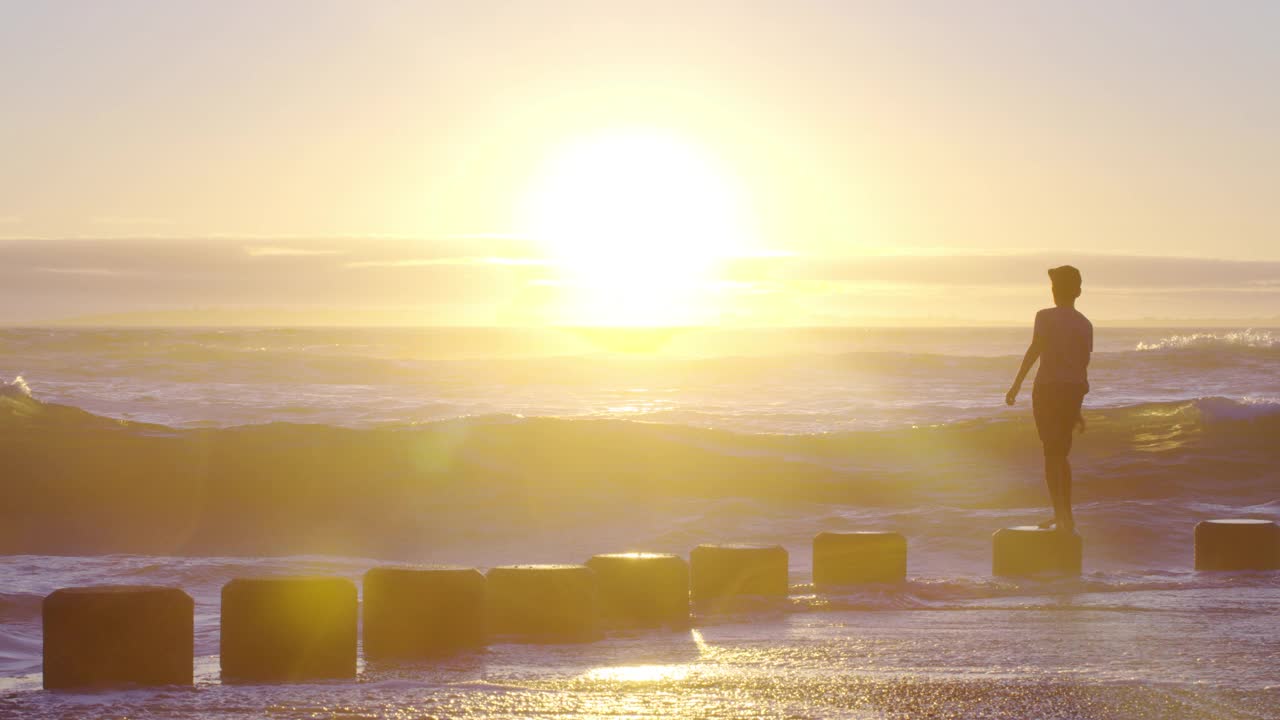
(1055, 466)
(1042, 411)
(1051, 482)
(1067, 522)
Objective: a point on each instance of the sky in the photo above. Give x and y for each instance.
(637, 163)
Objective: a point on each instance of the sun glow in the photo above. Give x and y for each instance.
(639, 223)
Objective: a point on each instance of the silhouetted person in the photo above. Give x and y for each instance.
(1062, 341)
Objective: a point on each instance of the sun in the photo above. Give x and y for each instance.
(639, 223)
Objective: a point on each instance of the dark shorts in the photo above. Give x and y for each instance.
(1056, 407)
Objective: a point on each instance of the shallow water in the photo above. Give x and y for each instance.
(1173, 644)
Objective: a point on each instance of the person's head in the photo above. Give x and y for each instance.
(1066, 284)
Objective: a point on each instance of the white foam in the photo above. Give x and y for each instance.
(1239, 338)
(15, 388)
(1245, 408)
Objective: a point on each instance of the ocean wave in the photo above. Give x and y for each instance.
(425, 358)
(1218, 409)
(19, 409)
(1264, 339)
(788, 394)
(15, 388)
(80, 480)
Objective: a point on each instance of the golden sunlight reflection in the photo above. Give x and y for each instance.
(642, 407)
(640, 673)
(639, 222)
(1158, 432)
(704, 650)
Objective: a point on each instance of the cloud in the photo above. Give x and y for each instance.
(52, 278)
(86, 271)
(129, 220)
(47, 279)
(278, 251)
(1099, 271)
(446, 261)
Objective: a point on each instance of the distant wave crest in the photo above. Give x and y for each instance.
(1264, 339)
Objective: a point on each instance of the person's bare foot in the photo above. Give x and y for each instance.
(1048, 524)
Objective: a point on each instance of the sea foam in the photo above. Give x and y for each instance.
(1239, 338)
(15, 388)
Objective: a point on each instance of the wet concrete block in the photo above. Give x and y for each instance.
(284, 629)
(543, 603)
(1027, 550)
(642, 589)
(117, 635)
(416, 612)
(852, 558)
(1237, 544)
(720, 571)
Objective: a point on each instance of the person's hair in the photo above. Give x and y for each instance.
(1065, 293)
(1066, 283)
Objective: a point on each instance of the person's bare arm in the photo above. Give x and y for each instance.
(1028, 360)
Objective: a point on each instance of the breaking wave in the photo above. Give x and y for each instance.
(79, 482)
(15, 388)
(1264, 339)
